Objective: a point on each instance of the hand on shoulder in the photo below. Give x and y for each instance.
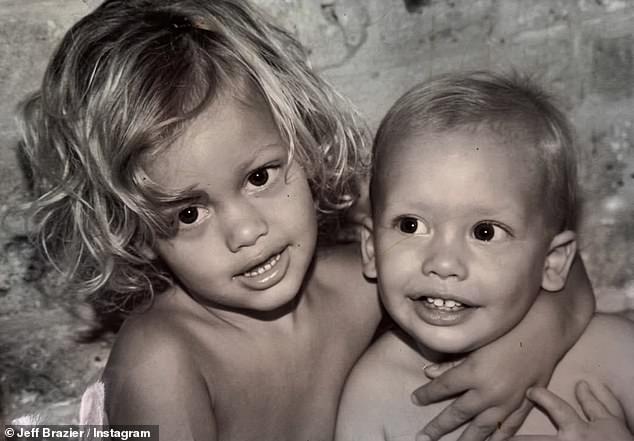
(600, 422)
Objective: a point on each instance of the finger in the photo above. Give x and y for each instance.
(447, 385)
(513, 422)
(591, 405)
(560, 411)
(453, 416)
(437, 369)
(605, 395)
(533, 438)
(482, 426)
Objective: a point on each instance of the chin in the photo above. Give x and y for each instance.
(450, 342)
(279, 297)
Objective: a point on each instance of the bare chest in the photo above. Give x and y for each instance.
(282, 389)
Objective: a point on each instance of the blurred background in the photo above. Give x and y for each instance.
(371, 51)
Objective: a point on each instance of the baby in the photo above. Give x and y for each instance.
(473, 199)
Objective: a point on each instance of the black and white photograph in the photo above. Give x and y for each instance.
(317, 220)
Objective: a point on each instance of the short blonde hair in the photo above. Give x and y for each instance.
(506, 104)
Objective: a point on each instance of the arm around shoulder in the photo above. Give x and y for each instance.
(151, 379)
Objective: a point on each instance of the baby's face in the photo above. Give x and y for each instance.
(459, 238)
(248, 241)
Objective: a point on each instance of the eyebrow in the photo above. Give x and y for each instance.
(271, 146)
(414, 205)
(260, 150)
(185, 198)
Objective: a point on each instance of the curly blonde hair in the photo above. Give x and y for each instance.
(123, 84)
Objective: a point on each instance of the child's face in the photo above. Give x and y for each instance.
(459, 238)
(248, 242)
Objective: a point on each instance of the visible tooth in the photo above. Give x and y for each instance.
(439, 302)
(262, 269)
(429, 300)
(450, 303)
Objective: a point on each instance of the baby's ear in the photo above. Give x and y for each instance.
(561, 253)
(367, 247)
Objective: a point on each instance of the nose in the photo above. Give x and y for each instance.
(445, 258)
(244, 224)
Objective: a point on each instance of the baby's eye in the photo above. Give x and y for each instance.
(191, 216)
(488, 231)
(411, 225)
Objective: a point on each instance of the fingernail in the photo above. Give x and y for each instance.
(423, 437)
(584, 385)
(415, 399)
(430, 367)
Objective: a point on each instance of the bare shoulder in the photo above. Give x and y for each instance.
(152, 377)
(390, 361)
(606, 351)
(146, 338)
(377, 392)
(607, 336)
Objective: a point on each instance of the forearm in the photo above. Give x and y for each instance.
(564, 314)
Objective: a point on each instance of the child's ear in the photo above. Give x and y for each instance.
(367, 247)
(561, 253)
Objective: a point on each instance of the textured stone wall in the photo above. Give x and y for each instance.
(372, 51)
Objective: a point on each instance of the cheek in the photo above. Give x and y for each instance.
(299, 201)
(515, 287)
(398, 252)
(188, 259)
(396, 262)
(294, 206)
(177, 258)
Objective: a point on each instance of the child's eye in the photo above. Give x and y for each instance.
(488, 231)
(191, 216)
(259, 177)
(262, 176)
(411, 225)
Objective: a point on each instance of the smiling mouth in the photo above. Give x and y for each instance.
(262, 268)
(443, 304)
